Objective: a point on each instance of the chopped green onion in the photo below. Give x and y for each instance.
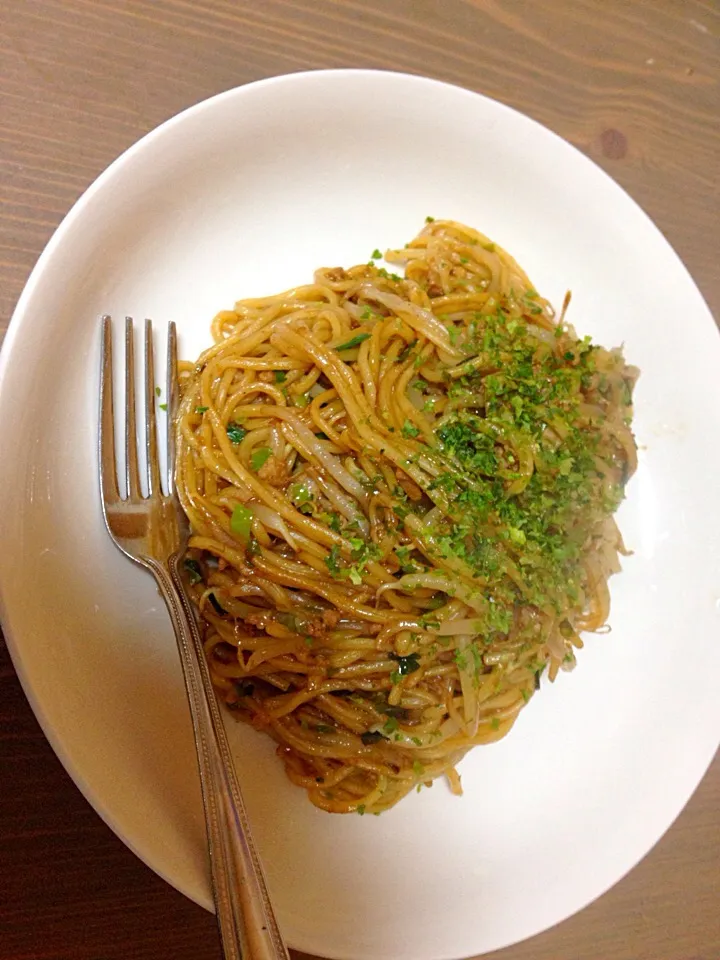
(235, 432)
(354, 342)
(259, 457)
(241, 521)
(391, 725)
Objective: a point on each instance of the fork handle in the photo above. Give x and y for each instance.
(248, 928)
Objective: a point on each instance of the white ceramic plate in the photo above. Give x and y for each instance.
(244, 195)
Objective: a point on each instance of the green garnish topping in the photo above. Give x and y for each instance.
(504, 473)
(332, 562)
(158, 391)
(163, 406)
(331, 519)
(406, 564)
(418, 768)
(193, 570)
(376, 255)
(391, 725)
(299, 493)
(429, 219)
(362, 553)
(280, 376)
(260, 456)
(460, 659)
(201, 409)
(353, 342)
(241, 521)
(406, 665)
(409, 430)
(360, 809)
(478, 664)
(235, 432)
(301, 497)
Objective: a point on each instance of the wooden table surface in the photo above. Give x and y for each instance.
(635, 84)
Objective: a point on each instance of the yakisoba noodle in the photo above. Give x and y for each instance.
(401, 494)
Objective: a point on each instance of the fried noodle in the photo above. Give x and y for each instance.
(401, 494)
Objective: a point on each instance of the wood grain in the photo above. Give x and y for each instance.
(635, 84)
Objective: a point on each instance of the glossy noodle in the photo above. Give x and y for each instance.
(401, 492)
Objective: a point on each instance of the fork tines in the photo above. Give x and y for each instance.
(108, 470)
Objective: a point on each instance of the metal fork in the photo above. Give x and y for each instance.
(152, 531)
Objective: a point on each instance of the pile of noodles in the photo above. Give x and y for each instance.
(368, 464)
